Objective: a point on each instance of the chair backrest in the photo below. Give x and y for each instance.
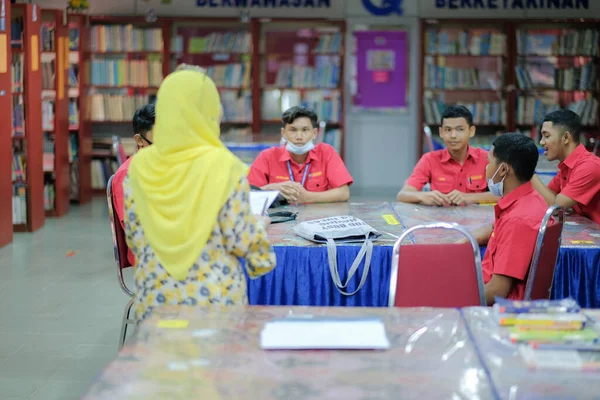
(436, 275)
(118, 237)
(119, 149)
(428, 137)
(545, 254)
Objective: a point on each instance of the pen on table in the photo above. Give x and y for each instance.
(265, 207)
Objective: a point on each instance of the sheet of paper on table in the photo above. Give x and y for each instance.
(260, 201)
(295, 333)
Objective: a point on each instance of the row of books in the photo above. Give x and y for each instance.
(114, 107)
(48, 77)
(73, 75)
(73, 39)
(455, 41)
(230, 75)
(49, 196)
(325, 74)
(327, 103)
(48, 115)
(215, 42)
(443, 77)
(120, 38)
(16, 73)
(532, 110)
(47, 37)
(121, 72)
(546, 76)
(18, 168)
(237, 107)
(563, 42)
(18, 116)
(102, 170)
(19, 204)
(329, 43)
(16, 31)
(73, 113)
(484, 112)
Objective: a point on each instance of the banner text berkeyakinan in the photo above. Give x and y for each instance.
(514, 4)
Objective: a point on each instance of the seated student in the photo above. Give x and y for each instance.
(519, 213)
(577, 184)
(302, 171)
(456, 173)
(143, 122)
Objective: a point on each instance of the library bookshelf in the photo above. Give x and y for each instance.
(26, 91)
(509, 73)
(55, 112)
(6, 130)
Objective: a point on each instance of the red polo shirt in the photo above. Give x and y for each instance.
(327, 170)
(445, 174)
(118, 199)
(578, 178)
(510, 248)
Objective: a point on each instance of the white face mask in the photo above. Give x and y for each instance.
(299, 150)
(497, 189)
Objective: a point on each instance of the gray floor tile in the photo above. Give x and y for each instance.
(60, 390)
(18, 388)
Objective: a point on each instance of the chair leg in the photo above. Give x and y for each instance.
(126, 321)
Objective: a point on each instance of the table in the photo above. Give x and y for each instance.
(217, 356)
(302, 274)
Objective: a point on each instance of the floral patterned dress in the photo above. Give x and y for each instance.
(216, 278)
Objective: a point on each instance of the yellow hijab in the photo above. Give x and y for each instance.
(182, 181)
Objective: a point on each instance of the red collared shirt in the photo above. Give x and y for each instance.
(578, 178)
(118, 199)
(327, 170)
(510, 248)
(445, 174)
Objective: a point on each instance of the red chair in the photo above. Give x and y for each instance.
(120, 248)
(436, 275)
(545, 254)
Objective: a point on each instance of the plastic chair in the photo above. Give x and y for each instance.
(120, 248)
(119, 150)
(545, 254)
(436, 275)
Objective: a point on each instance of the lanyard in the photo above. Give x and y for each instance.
(306, 168)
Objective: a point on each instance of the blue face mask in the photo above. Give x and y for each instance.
(295, 149)
(497, 189)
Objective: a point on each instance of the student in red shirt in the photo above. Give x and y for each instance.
(143, 122)
(519, 213)
(302, 171)
(456, 173)
(577, 184)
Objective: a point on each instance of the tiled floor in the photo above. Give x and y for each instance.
(61, 305)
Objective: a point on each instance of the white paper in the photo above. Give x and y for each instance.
(259, 198)
(324, 333)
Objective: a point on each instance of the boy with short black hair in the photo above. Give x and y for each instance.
(302, 171)
(577, 183)
(456, 173)
(519, 213)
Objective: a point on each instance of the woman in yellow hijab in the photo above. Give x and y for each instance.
(188, 218)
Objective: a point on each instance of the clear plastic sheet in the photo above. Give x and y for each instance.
(513, 379)
(217, 356)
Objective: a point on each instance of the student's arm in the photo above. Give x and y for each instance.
(329, 196)
(481, 235)
(547, 192)
(259, 171)
(583, 184)
(458, 198)
(499, 285)
(410, 194)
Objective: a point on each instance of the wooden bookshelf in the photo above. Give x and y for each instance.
(6, 131)
(301, 62)
(124, 64)
(28, 179)
(538, 69)
(55, 112)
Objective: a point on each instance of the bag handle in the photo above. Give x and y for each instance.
(366, 251)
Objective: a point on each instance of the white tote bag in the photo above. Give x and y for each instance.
(341, 229)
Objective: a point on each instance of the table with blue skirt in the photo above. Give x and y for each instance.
(302, 275)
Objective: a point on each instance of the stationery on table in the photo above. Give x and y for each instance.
(260, 201)
(320, 333)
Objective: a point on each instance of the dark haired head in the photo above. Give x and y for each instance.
(566, 121)
(143, 119)
(518, 151)
(458, 112)
(293, 113)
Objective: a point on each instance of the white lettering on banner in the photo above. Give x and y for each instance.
(513, 4)
(264, 3)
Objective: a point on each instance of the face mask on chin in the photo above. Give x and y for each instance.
(299, 150)
(497, 189)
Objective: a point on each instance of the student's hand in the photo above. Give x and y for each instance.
(434, 198)
(457, 198)
(303, 195)
(289, 190)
